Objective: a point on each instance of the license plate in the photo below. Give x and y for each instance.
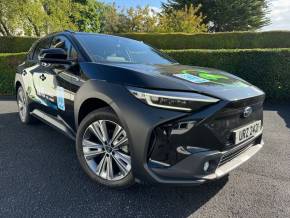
(247, 132)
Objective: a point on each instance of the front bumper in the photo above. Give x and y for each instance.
(190, 170)
(209, 130)
(234, 163)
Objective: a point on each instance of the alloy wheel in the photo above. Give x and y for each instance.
(22, 104)
(105, 149)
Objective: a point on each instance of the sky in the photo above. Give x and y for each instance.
(280, 11)
(280, 15)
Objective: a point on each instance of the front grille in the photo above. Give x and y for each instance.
(213, 133)
(230, 118)
(231, 154)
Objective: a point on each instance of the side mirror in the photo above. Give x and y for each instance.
(53, 56)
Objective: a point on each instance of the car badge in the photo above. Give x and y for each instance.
(247, 111)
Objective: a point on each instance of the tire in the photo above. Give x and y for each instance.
(103, 150)
(23, 107)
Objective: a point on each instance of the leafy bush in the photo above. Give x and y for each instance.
(268, 69)
(15, 44)
(8, 63)
(231, 40)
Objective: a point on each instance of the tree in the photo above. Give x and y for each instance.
(131, 20)
(187, 20)
(40, 17)
(141, 19)
(33, 17)
(58, 15)
(111, 20)
(145, 19)
(228, 15)
(8, 17)
(87, 15)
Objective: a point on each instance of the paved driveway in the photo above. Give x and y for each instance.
(40, 176)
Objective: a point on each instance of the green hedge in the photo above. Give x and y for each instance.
(232, 40)
(8, 63)
(269, 69)
(15, 44)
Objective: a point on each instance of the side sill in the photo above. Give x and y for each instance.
(56, 123)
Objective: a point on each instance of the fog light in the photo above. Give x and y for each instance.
(206, 166)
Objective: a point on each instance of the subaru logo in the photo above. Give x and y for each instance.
(248, 111)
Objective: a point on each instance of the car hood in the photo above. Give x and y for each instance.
(174, 77)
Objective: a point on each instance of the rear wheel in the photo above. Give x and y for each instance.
(103, 149)
(23, 107)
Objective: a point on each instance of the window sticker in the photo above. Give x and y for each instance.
(191, 78)
(60, 98)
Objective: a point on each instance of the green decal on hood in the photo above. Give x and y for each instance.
(209, 76)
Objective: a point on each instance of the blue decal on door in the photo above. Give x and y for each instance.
(60, 98)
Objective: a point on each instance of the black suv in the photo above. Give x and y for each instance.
(136, 114)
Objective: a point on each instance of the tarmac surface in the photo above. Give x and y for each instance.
(41, 177)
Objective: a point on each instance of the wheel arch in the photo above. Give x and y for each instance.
(92, 95)
(17, 85)
(18, 82)
(90, 105)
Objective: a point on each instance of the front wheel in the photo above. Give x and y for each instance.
(23, 107)
(103, 150)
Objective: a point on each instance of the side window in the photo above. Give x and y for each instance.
(73, 53)
(42, 44)
(64, 43)
(30, 53)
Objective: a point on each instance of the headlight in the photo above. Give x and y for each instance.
(184, 101)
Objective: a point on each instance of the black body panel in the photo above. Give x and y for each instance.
(161, 77)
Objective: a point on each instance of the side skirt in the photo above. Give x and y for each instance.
(56, 123)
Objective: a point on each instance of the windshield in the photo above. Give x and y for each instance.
(106, 48)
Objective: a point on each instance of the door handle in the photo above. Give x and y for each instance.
(42, 77)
